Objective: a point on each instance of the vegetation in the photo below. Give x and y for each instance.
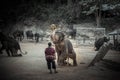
(106, 13)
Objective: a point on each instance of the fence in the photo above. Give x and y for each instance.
(87, 36)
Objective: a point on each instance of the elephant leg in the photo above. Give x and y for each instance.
(58, 54)
(37, 39)
(1, 50)
(8, 53)
(15, 52)
(12, 52)
(74, 62)
(62, 61)
(73, 57)
(20, 38)
(58, 59)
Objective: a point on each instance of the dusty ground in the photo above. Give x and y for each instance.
(33, 65)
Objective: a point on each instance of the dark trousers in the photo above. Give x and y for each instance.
(51, 64)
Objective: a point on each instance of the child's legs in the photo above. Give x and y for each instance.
(53, 64)
(49, 64)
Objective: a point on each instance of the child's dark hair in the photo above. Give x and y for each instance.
(49, 44)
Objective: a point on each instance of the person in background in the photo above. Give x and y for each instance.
(50, 58)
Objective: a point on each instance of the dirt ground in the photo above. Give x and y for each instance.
(33, 65)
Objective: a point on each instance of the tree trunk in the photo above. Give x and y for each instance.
(98, 14)
(98, 18)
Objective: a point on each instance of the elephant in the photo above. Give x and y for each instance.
(18, 35)
(29, 34)
(100, 42)
(37, 36)
(63, 48)
(10, 45)
(71, 32)
(65, 51)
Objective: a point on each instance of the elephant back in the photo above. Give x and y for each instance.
(8, 42)
(13, 43)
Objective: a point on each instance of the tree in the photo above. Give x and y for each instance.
(98, 13)
(69, 2)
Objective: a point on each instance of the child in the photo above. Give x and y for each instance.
(50, 58)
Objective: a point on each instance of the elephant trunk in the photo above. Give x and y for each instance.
(23, 52)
